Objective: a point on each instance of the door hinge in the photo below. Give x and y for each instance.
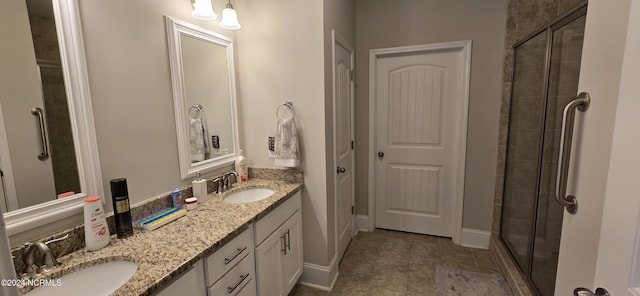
(353, 145)
(351, 75)
(353, 210)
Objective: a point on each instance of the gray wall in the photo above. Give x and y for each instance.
(287, 56)
(283, 56)
(128, 63)
(381, 24)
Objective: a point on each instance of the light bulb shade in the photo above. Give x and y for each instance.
(229, 19)
(202, 9)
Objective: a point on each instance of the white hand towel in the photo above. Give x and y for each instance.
(205, 134)
(287, 149)
(198, 139)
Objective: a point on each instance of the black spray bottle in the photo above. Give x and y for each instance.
(121, 209)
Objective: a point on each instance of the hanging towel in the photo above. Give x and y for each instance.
(199, 141)
(287, 150)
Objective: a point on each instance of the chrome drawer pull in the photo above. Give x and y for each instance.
(284, 243)
(228, 260)
(242, 278)
(288, 244)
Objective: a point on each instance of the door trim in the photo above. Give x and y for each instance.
(337, 39)
(461, 129)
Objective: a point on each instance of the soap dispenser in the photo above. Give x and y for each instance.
(199, 188)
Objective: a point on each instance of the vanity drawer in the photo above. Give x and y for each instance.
(229, 255)
(240, 280)
(269, 223)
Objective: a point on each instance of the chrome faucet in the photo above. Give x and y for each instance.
(224, 182)
(29, 256)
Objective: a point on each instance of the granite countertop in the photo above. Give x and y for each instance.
(169, 251)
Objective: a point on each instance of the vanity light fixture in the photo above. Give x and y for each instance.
(229, 19)
(203, 9)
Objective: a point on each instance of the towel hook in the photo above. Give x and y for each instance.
(289, 105)
(198, 107)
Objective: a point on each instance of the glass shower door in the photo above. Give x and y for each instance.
(545, 79)
(523, 150)
(564, 70)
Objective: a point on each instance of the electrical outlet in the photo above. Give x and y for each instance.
(215, 142)
(272, 143)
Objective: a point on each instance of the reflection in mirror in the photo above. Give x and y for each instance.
(202, 74)
(37, 127)
(206, 89)
(48, 153)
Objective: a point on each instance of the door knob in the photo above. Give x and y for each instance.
(380, 154)
(341, 170)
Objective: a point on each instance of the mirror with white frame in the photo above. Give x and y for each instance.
(40, 82)
(204, 96)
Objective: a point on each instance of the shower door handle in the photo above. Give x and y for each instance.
(580, 103)
(44, 155)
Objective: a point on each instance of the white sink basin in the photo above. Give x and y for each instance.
(101, 279)
(248, 195)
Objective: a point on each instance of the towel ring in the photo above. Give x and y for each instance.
(289, 105)
(198, 107)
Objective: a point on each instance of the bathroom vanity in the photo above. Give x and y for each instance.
(219, 248)
(273, 264)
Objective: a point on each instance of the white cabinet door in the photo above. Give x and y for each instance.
(191, 283)
(269, 265)
(292, 231)
(279, 256)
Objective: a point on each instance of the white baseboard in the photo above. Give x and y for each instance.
(474, 238)
(363, 222)
(318, 276)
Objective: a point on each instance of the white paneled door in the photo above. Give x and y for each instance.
(343, 140)
(420, 131)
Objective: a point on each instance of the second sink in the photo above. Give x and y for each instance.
(248, 195)
(101, 279)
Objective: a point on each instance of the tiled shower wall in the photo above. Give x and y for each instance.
(524, 17)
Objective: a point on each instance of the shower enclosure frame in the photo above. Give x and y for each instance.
(570, 16)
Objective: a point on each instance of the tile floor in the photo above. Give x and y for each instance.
(394, 263)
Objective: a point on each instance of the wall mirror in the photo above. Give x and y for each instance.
(48, 150)
(204, 97)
